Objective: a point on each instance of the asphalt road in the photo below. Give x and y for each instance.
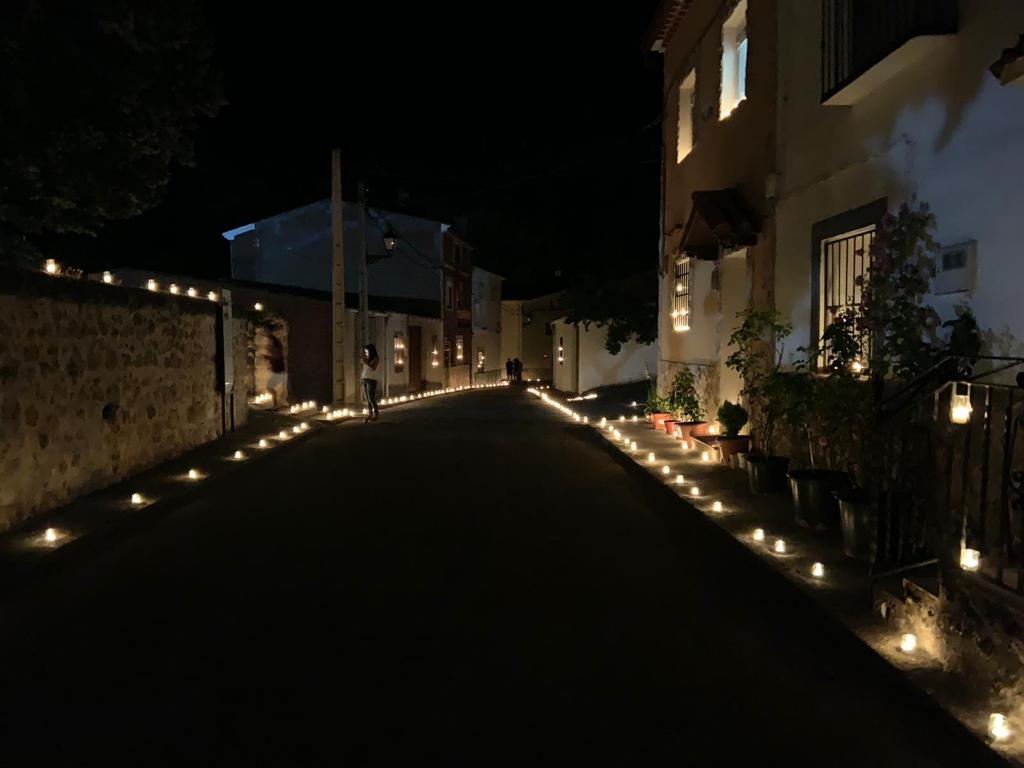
(471, 581)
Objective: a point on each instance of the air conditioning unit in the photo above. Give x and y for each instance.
(955, 268)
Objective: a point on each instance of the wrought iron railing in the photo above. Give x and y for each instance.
(953, 470)
(857, 34)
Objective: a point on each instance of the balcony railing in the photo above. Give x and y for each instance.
(858, 34)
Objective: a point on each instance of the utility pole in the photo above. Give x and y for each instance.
(364, 300)
(337, 279)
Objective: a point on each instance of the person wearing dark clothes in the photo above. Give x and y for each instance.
(517, 370)
(278, 376)
(370, 376)
(509, 370)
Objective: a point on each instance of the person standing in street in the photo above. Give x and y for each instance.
(509, 370)
(517, 370)
(370, 376)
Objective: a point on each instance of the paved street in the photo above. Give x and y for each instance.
(474, 580)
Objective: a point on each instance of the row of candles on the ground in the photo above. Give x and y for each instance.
(336, 413)
(970, 559)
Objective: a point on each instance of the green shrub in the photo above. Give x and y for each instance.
(733, 418)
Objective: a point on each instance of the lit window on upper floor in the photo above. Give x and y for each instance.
(684, 127)
(734, 60)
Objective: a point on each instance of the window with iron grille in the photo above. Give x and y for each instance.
(481, 360)
(399, 352)
(681, 296)
(844, 267)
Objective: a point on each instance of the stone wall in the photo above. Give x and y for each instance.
(98, 382)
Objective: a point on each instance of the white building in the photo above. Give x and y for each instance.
(488, 364)
(581, 362)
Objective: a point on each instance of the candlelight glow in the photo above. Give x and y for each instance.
(239, 455)
(716, 506)
(695, 491)
(50, 535)
(193, 474)
(632, 446)
(192, 292)
(258, 306)
(680, 480)
(759, 534)
(51, 267)
(651, 458)
(282, 435)
(780, 546)
(263, 443)
(908, 643)
(173, 288)
(713, 430)
(108, 278)
(960, 406)
(136, 498)
(152, 284)
(705, 456)
(970, 559)
(686, 445)
(818, 570)
(634, 419)
(998, 727)
(857, 366)
(212, 295)
(296, 429)
(665, 470)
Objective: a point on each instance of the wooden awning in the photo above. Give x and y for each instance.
(720, 219)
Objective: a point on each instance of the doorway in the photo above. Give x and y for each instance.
(415, 358)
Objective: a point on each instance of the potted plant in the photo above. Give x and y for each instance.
(830, 411)
(758, 345)
(685, 405)
(733, 417)
(656, 407)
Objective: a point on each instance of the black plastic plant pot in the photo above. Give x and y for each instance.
(814, 499)
(767, 474)
(857, 516)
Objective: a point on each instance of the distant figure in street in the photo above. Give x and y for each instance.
(517, 370)
(510, 370)
(278, 377)
(370, 376)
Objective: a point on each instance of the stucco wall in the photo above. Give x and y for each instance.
(99, 382)
(943, 129)
(589, 365)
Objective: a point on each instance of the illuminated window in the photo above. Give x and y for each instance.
(481, 360)
(399, 352)
(681, 296)
(684, 128)
(734, 60)
(459, 350)
(434, 358)
(843, 269)
(561, 350)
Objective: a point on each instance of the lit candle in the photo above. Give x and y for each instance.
(970, 559)
(192, 292)
(780, 546)
(716, 506)
(759, 534)
(686, 445)
(239, 455)
(634, 418)
(705, 456)
(258, 306)
(212, 295)
(998, 727)
(304, 426)
(193, 474)
(665, 470)
(651, 458)
(174, 289)
(680, 480)
(632, 446)
(908, 643)
(603, 421)
(151, 284)
(51, 267)
(622, 418)
(818, 570)
(713, 430)
(282, 435)
(960, 407)
(136, 498)
(695, 491)
(108, 278)
(50, 535)
(296, 429)
(263, 443)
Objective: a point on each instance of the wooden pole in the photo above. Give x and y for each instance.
(338, 279)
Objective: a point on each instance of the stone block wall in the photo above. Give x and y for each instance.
(97, 383)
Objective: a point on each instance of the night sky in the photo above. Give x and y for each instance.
(538, 120)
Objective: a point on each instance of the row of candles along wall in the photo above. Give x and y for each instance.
(998, 724)
(336, 413)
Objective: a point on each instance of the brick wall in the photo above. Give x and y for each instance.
(99, 382)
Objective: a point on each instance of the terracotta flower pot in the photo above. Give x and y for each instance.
(686, 429)
(729, 446)
(658, 419)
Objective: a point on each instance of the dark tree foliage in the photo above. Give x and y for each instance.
(98, 103)
(626, 307)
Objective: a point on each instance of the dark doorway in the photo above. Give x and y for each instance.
(415, 358)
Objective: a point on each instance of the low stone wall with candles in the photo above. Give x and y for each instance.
(98, 382)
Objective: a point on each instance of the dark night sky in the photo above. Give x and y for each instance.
(539, 122)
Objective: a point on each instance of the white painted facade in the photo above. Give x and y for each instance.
(487, 362)
(938, 126)
(582, 363)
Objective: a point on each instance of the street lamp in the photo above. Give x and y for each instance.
(390, 241)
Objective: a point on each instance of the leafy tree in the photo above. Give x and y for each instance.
(98, 103)
(627, 308)
(682, 396)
